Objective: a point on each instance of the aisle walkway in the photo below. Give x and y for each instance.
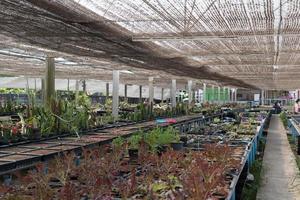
(280, 175)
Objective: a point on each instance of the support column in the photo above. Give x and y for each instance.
(76, 91)
(68, 85)
(204, 93)
(107, 90)
(151, 91)
(43, 90)
(49, 80)
(115, 98)
(35, 85)
(173, 93)
(219, 95)
(141, 94)
(190, 85)
(84, 86)
(235, 94)
(232, 94)
(125, 92)
(162, 94)
(262, 97)
(212, 93)
(224, 95)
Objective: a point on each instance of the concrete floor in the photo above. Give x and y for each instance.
(280, 174)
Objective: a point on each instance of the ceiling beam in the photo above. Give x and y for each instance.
(204, 36)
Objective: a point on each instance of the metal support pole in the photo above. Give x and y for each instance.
(35, 84)
(43, 90)
(76, 91)
(232, 94)
(173, 93)
(115, 99)
(107, 90)
(190, 85)
(125, 92)
(219, 95)
(49, 80)
(84, 86)
(204, 93)
(151, 91)
(235, 94)
(212, 93)
(224, 95)
(262, 97)
(162, 95)
(68, 86)
(141, 94)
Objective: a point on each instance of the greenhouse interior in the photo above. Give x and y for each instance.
(149, 99)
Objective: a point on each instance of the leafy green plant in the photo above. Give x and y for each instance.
(161, 136)
(118, 142)
(168, 136)
(284, 119)
(134, 141)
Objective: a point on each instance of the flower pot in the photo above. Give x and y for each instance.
(35, 134)
(133, 154)
(177, 146)
(184, 140)
(162, 149)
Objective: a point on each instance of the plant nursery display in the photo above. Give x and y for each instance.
(67, 115)
(107, 174)
(146, 165)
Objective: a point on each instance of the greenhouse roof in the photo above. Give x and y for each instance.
(242, 43)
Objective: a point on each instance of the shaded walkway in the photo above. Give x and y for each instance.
(280, 174)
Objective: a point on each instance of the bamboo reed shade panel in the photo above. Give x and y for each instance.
(243, 43)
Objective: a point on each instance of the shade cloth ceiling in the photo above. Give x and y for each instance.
(241, 43)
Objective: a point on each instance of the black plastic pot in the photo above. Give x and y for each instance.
(35, 135)
(184, 140)
(162, 149)
(177, 146)
(133, 154)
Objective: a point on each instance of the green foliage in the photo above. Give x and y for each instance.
(160, 136)
(250, 190)
(118, 142)
(46, 121)
(12, 91)
(108, 105)
(134, 141)
(284, 119)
